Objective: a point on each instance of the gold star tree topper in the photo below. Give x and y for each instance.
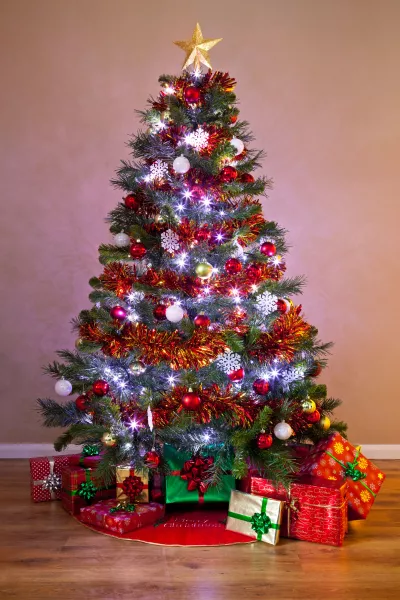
(197, 49)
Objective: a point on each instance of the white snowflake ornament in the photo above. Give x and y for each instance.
(267, 303)
(228, 362)
(198, 139)
(170, 240)
(291, 374)
(158, 170)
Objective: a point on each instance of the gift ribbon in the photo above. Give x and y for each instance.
(48, 482)
(87, 489)
(351, 471)
(194, 471)
(260, 522)
(123, 506)
(120, 483)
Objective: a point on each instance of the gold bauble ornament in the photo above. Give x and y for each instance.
(197, 49)
(204, 270)
(79, 343)
(324, 422)
(108, 439)
(308, 406)
(137, 368)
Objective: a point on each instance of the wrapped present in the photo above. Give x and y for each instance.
(80, 487)
(132, 484)
(187, 479)
(335, 458)
(157, 488)
(315, 509)
(255, 516)
(46, 477)
(105, 516)
(89, 457)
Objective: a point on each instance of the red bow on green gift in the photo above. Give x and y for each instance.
(195, 471)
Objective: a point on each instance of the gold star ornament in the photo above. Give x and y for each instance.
(197, 49)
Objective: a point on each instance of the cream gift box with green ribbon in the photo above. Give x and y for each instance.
(254, 516)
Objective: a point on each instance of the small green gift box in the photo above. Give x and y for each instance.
(187, 479)
(255, 517)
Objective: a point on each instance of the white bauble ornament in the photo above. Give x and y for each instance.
(63, 387)
(121, 240)
(283, 431)
(238, 144)
(174, 313)
(181, 164)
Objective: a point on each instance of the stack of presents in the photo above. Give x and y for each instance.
(336, 483)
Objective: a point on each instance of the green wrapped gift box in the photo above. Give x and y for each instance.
(186, 479)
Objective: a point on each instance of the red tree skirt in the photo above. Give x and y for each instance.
(185, 526)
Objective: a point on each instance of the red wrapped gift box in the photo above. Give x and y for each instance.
(316, 509)
(46, 474)
(90, 462)
(121, 521)
(334, 459)
(72, 488)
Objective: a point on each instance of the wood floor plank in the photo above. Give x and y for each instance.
(47, 555)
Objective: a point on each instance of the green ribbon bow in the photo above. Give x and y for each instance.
(351, 471)
(122, 506)
(90, 450)
(260, 522)
(87, 490)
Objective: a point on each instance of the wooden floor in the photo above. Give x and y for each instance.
(46, 555)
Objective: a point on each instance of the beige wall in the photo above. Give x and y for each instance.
(319, 81)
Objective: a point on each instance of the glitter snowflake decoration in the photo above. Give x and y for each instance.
(170, 241)
(198, 139)
(228, 362)
(291, 374)
(267, 303)
(158, 170)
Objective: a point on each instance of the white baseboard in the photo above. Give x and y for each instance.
(388, 451)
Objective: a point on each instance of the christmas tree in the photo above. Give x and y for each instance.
(193, 339)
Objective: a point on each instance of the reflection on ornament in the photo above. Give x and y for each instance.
(82, 402)
(174, 313)
(261, 387)
(308, 406)
(264, 440)
(137, 368)
(203, 270)
(233, 266)
(118, 312)
(79, 343)
(314, 417)
(152, 459)
(100, 387)
(181, 164)
(237, 375)
(283, 305)
(137, 250)
(283, 431)
(202, 321)
(192, 94)
(159, 312)
(191, 400)
(121, 240)
(325, 422)
(315, 370)
(238, 145)
(63, 387)
(268, 249)
(228, 174)
(247, 178)
(131, 202)
(108, 439)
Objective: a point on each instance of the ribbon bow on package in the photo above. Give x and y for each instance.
(255, 517)
(195, 471)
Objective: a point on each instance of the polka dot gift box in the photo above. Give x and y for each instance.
(46, 477)
(335, 458)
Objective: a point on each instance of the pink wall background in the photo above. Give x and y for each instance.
(318, 80)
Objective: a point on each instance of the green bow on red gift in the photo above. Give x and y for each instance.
(195, 471)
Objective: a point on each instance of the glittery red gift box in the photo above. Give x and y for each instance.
(72, 479)
(121, 521)
(77, 460)
(42, 469)
(334, 459)
(316, 509)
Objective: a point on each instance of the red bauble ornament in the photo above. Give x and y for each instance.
(261, 386)
(233, 118)
(100, 387)
(316, 370)
(203, 234)
(118, 312)
(264, 440)
(137, 250)
(192, 94)
(236, 375)
(191, 401)
(82, 402)
(283, 305)
(228, 174)
(314, 417)
(268, 249)
(152, 459)
(160, 312)
(254, 272)
(131, 202)
(247, 178)
(233, 266)
(202, 321)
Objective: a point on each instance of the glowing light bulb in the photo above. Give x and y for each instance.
(169, 89)
(133, 424)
